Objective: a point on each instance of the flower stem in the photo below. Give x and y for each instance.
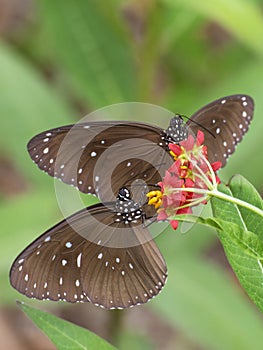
(221, 195)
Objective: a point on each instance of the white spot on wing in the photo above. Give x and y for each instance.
(79, 259)
(77, 283)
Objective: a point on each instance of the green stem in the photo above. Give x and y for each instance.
(223, 196)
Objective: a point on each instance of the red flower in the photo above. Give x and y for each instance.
(187, 182)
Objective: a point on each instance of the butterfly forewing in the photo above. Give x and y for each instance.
(224, 123)
(69, 262)
(83, 155)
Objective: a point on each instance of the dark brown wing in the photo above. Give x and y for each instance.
(224, 123)
(92, 257)
(86, 155)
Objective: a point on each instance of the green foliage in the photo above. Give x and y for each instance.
(241, 18)
(241, 236)
(78, 56)
(198, 296)
(99, 67)
(65, 335)
(240, 230)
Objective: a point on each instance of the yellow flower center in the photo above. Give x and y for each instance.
(155, 198)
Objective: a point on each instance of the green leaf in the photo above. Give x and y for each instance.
(243, 247)
(241, 235)
(65, 335)
(244, 251)
(241, 18)
(240, 188)
(246, 240)
(91, 46)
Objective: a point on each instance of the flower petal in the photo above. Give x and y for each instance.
(176, 149)
(200, 138)
(216, 165)
(162, 215)
(174, 224)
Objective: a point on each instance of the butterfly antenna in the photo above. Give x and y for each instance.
(201, 126)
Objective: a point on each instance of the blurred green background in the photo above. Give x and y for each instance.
(60, 60)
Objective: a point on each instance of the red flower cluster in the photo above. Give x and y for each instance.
(181, 185)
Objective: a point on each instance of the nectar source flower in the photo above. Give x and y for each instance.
(187, 182)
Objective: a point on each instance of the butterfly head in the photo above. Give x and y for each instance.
(176, 132)
(124, 194)
(126, 209)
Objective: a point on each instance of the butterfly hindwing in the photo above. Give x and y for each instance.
(70, 262)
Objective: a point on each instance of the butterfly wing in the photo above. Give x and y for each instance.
(84, 258)
(224, 123)
(85, 155)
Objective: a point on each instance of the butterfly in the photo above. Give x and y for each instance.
(103, 254)
(101, 157)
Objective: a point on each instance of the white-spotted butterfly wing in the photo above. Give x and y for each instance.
(224, 123)
(97, 255)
